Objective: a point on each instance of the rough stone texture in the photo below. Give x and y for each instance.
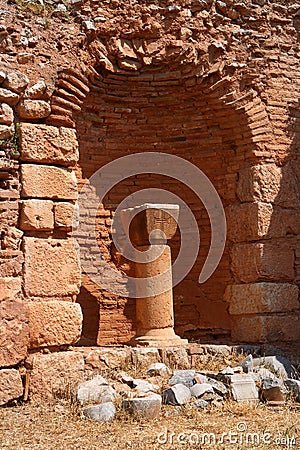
(54, 323)
(94, 391)
(14, 330)
(186, 377)
(158, 369)
(51, 267)
(11, 387)
(47, 144)
(37, 215)
(9, 97)
(33, 109)
(266, 328)
(54, 374)
(100, 413)
(6, 131)
(16, 81)
(6, 114)
(294, 387)
(36, 91)
(198, 390)
(143, 356)
(113, 358)
(178, 394)
(280, 365)
(48, 182)
(273, 390)
(268, 261)
(242, 387)
(144, 407)
(66, 215)
(259, 298)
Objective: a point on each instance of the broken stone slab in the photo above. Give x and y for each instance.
(185, 377)
(200, 404)
(144, 407)
(281, 366)
(125, 378)
(294, 388)
(48, 182)
(247, 364)
(54, 323)
(200, 378)
(34, 109)
(16, 81)
(95, 390)
(261, 373)
(218, 386)
(144, 386)
(178, 394)
(158, 369)
(242, 387)
(273, 390)
(100, 413)
(11, 386)
(9, 97)
(54, 374)
(47, 144)
(198, 390)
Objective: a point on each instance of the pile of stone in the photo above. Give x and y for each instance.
(269, 379)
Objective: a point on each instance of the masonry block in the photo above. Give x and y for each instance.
(54, 323)
(48, 182)
(11, 387)
(66, 215)
(37, 215)
(262, 298)
(54, 374)
(269, 261)
(51, 267)
(47, 144)
(266, 329)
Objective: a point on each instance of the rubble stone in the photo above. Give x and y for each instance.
(178, 394)
(198, 390)
(6, 114)
(243, 388)
(144, 407)
(16, 81)
(95, 391)
(100, 413)
(11, 387)
(34, 109)
(273, 390)
(186, 377)
(9, 97)
(158, 369)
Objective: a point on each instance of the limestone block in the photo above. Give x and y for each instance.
(37, 215)
(94, 391)
(254, 261)
(48, 144)
(100, 413)
(66, 215)
(262, 298)
(186, 377)
(178, 394)
(11, 387)
(9, 97)
(198, 390)
(36, 91)
(54, 323)
(243, 388)
(16, 81)
(114, 358)
(144, 407)
(6, 131)
(51, 267)
(54, 374)
(6, 114)
(14, 329)
(248, 221)
(48, 182)
(259, 329)
(34, 109)
(10, 288)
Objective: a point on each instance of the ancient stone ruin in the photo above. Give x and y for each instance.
(213, 82)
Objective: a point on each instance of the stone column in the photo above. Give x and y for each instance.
(150, 226)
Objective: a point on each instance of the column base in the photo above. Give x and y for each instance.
(164, 337)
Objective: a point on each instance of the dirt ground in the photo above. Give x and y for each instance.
(230, 426)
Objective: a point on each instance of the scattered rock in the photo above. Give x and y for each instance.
(200, 378)
(24, 57)
(6, 114)
(273, 390)
(2, 76)
(218, 386)
(9, 97)
(185, 377)
(6, 132)
(200, 404)
(199, 389)
(247, 364)
(261, 373)
(36, 91)
(95, 390)
(158, 369)
(100, 413)
(144, 386)
(278, 364)
(16, 81)
(34, 109)
(178, 394)
(144, 407)
(242, 387)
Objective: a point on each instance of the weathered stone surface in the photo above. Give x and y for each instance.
(281, 366)
(144, 407)
(218, 386)
(143, 386)
(66, 215)
(294, 387)
(48, 182)
(14, 330)
(266, 328)
(51, 267)
(178, 394)
(144, 356)
(100, 413)
(94, 391)
(242, 387)
(6, 114)
(186, 377)
(273, 390)
(34, 109)
(6, 131)
(262, 298)
(54, 323)
(47, 144)
(247, 364)
(36, 91)
(9, 97)
(198, 390)
(158, 369)
(114, 358)
(16, 81)
(268, 261)
(260, 374)
(37, 215)
(176, 357)
(54, 374)
(200, 404)
(11, 387)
